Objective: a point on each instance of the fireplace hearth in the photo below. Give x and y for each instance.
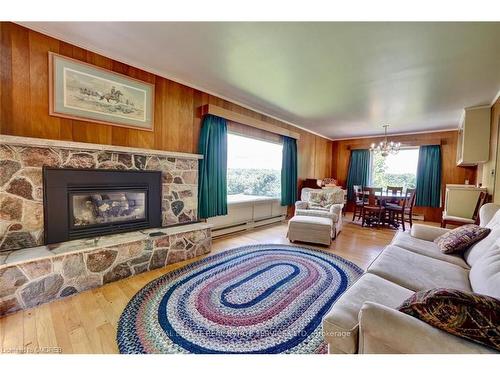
(81, 203)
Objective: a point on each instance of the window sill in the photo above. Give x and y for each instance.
(243, 199)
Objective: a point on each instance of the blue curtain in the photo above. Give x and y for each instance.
(359, 170)
(289, 172)
(212, 188)
(428, 192)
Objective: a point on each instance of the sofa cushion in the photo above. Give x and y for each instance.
(472, 316)
(481, 248)
(340, 325)
(460, 239)
(427, 232)
(494, 222)
(485, 273)
(427, 248)
(418, 272)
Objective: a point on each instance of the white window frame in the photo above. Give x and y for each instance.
(259, 198)
(370, 173)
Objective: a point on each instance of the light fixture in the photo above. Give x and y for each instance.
(385, 147)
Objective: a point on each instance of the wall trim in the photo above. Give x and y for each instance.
(395, 134)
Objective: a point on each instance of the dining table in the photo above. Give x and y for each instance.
(393, 197)
(388, 195)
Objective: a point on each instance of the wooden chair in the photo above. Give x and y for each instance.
(455, 220)
(358, 201)
(372, 212)
(400, 214)
(395, 190)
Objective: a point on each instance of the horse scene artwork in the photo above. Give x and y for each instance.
(82, 91)
(90, 93)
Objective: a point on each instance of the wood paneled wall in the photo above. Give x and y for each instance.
(24, 104)
(451, 174)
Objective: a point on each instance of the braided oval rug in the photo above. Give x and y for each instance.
(252, 299)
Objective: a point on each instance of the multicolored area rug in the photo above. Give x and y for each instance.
(252, 299)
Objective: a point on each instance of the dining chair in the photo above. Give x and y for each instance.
(373, 212)
(455, 220)
(358, 201)
(403, 212)
(395, 190)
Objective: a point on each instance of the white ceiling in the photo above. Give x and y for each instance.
(336, 79)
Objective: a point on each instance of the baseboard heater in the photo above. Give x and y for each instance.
(248, 214)
(244, 226)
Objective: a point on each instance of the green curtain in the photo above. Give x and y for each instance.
(289, 172)
(359, 170)
(428, 192)
(212, 188)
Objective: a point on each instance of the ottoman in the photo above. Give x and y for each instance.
(313, 229)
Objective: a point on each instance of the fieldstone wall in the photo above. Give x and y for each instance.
(21, 190)
(32, 283)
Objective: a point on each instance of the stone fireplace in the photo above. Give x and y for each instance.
(65, 208)
(81, 203)
(22, 193)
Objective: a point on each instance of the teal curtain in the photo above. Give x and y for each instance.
(212, 188)
(289, 172)
(428, 192)
(359, 170)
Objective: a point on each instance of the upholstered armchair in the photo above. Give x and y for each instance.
(332, 209)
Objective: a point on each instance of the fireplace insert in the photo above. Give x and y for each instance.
(82, 203)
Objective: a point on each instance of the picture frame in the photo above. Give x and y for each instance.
(82, 91)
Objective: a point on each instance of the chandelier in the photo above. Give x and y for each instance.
(385, 147)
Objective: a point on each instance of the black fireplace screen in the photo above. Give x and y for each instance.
(83, 203)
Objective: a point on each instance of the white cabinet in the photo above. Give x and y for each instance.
(461, 200)
(473, 145)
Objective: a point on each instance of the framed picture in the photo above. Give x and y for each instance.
(82, 91)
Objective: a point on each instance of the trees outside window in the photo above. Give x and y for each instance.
(253, 167)
(395, 170)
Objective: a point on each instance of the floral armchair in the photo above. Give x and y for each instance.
(322, 203)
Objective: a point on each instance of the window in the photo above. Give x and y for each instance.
(395, 170)
(253, 168)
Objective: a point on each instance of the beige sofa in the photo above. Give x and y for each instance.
(334, 212)
(365, 318)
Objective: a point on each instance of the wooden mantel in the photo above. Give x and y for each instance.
(246, 120)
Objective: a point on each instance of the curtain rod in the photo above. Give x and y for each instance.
(247, 120)
(415, 144)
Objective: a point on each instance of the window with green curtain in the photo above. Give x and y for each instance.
(289, 172)
(212, 188)
(428, 192)
(359, 170)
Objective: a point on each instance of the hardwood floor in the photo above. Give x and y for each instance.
(86, 322)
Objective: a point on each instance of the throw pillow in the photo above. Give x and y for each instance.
(337, 194)
(321, 199)
(471, 316)
(460, 239)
